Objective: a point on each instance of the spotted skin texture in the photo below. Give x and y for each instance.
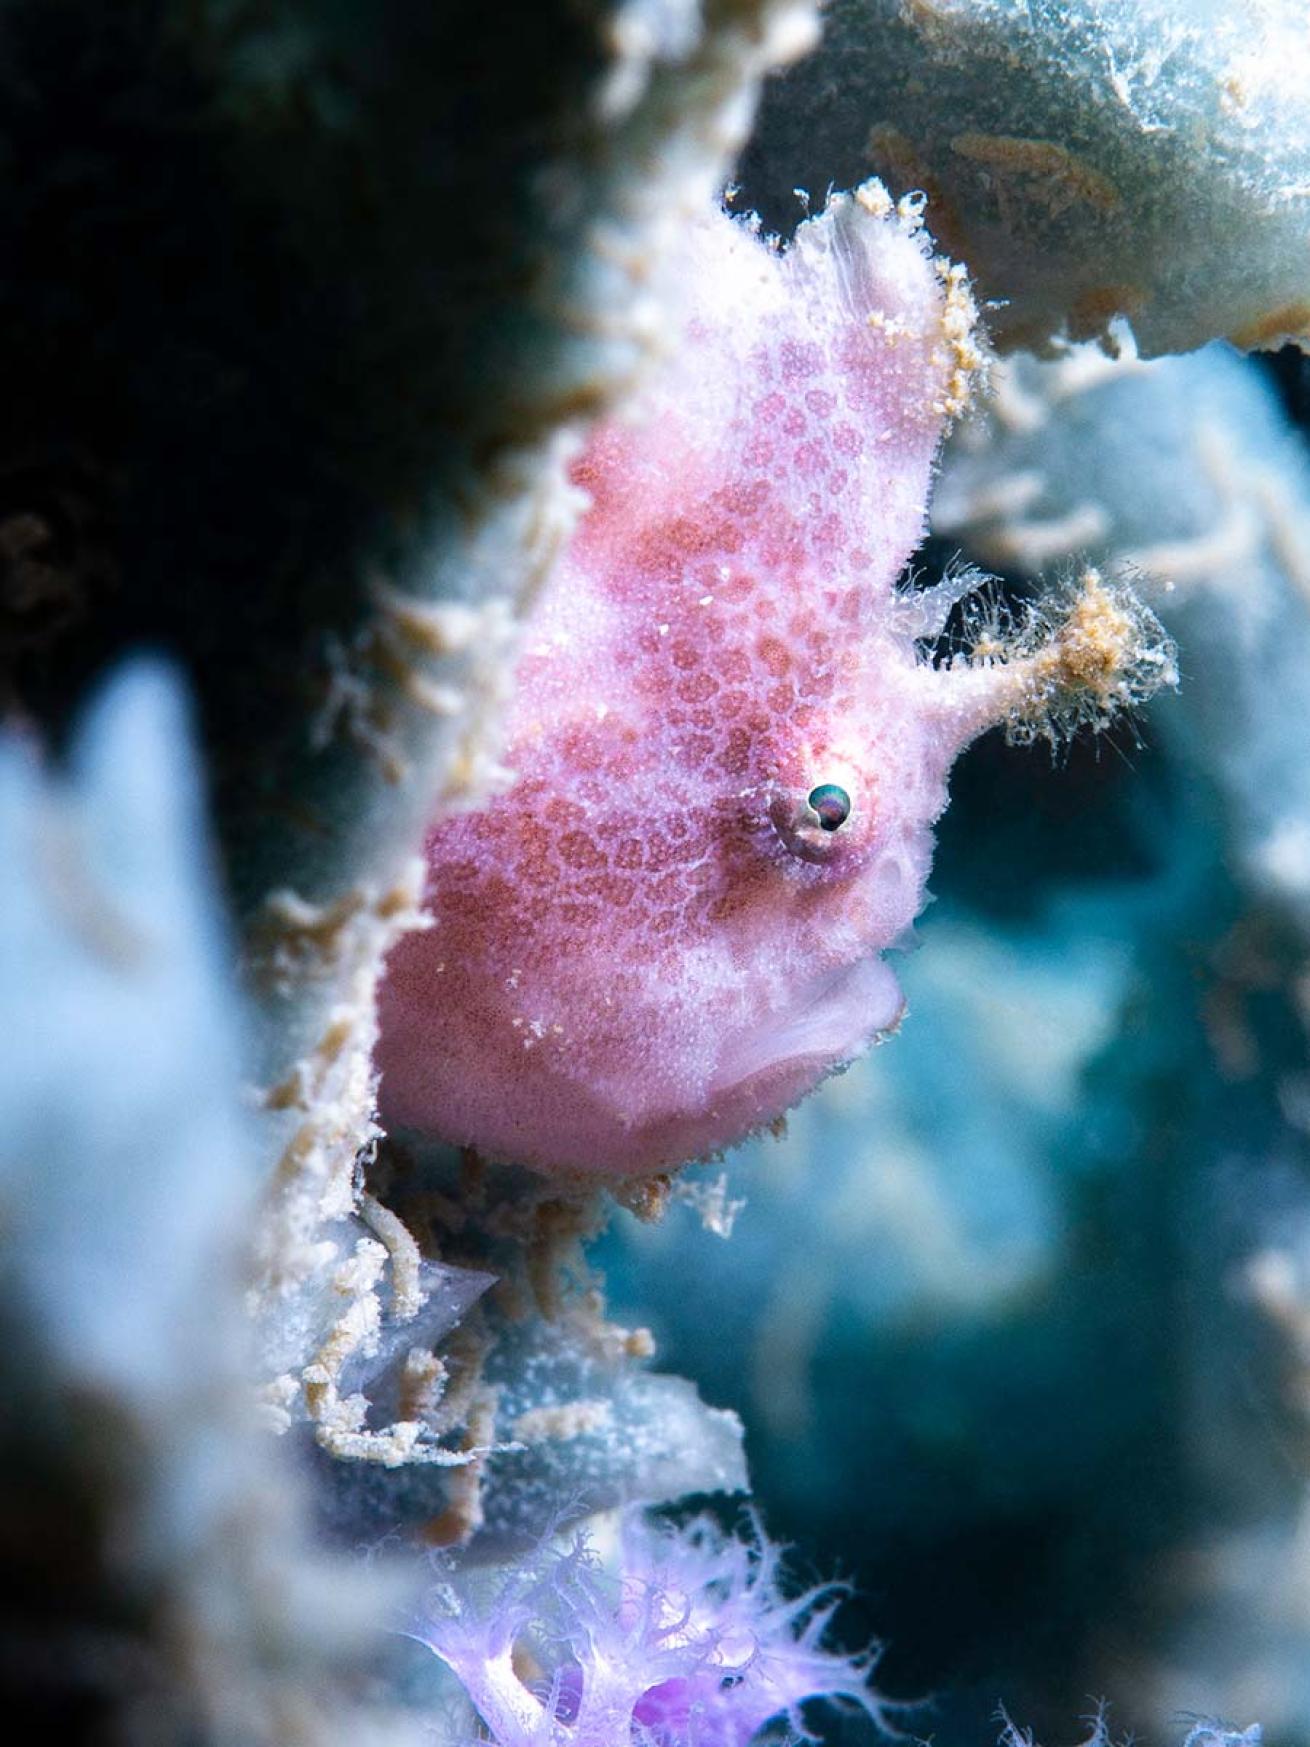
(650, 945)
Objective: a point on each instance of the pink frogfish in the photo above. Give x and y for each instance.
(730, 744)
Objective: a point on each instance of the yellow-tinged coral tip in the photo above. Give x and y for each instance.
(1099, 653)
(1107, 654)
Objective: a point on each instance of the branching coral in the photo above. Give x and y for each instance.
(1183, 473)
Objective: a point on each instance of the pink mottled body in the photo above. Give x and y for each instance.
(651, 945)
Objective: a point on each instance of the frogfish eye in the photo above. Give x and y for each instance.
(832, 804)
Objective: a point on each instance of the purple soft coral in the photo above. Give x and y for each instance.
(692, 1643)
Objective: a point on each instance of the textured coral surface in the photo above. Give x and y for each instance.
(1086, 158)
(663, 934)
